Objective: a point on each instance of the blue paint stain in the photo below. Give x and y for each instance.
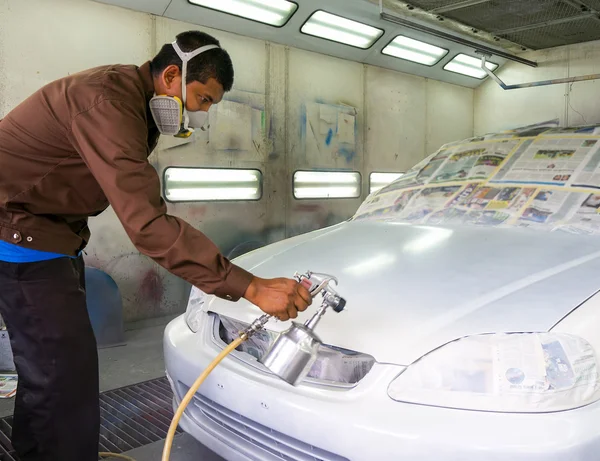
(348, 154)
(303, 129)
(303, 122)
(329, 137)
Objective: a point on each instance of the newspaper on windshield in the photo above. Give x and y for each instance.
(549, 208)
(483, 205)
(583, 131)
(426, 201)
(548, 161)
(586, 217)
(389, 204)
(383, 202)
(472, 161)
(589, 176)
(522, 132)
(541, 176)
(410, 178)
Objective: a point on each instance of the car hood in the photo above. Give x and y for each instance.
(411, 288)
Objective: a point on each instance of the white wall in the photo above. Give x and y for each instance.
(41, 41)
(400, 119)
(573, 104)
(410, 117)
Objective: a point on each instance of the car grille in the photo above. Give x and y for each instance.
(279, 446)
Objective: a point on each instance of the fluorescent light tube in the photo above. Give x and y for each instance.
(468, 65)
(380, 180)
(324, 184)
(414, 50)
(342, 30)
(326, 192)
(273, 12)
(212, 194)
(210, 175)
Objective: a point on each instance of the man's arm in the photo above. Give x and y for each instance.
(111, 137)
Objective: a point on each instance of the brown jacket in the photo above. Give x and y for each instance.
(81, 143)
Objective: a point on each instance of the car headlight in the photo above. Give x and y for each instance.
(333, 364)
(519, 372)
(193, 312)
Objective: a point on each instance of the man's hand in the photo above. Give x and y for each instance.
(282, 298)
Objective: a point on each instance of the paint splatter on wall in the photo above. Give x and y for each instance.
(151, 286)
(329, 130)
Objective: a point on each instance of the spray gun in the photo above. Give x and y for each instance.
(290, 357)
(294, 352)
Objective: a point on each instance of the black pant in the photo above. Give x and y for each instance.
(57, 415)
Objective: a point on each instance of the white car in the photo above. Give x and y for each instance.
(467, 335)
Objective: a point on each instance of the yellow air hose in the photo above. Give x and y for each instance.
(185, 402)
(190, 394)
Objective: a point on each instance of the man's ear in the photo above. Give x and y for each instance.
(171, 76)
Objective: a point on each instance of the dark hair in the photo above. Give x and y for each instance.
(215, 63)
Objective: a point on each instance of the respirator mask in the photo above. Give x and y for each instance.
(169, 112)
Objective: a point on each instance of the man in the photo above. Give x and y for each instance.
(66, 153)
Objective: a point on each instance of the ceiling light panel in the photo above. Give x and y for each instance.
(413, 50)
(338, 29)
(272, 12)
(468, 65)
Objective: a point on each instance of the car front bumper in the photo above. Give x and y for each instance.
(243, 413)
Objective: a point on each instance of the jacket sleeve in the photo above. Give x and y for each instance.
(111, 137)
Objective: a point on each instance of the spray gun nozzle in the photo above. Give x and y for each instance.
(336, 302)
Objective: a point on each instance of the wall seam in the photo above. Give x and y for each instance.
(288, 190)
(426, 130)
(153, 35)
(567, 89)
(365, 131)
(268, 207)
(474, 106)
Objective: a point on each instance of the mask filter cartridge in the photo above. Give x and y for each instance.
(166, 111)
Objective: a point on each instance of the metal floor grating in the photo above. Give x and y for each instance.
(130, 417)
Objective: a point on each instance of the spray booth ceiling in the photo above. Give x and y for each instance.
(449, 32)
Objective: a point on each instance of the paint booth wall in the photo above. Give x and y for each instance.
(572, 104)
(283, 115)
